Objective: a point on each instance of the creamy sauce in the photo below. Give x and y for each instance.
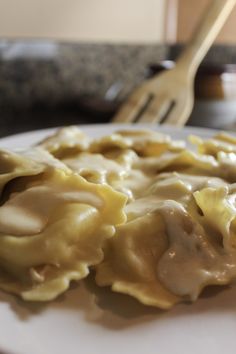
(190, 197)
(193, 259)
(95, 168)
(53, 223)
(190, 263)
(27, 213)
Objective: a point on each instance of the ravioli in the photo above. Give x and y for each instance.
(218, 206)
(66, 141)
(131, 259)
(156, 220)
(52, 227)
(143, 142)
(220, 142)
(112, 159)
(175, 241)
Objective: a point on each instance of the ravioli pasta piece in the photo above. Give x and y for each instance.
(96, 168)
(188, 162)
(111, 159)
(221, 153)
(222, 148)
(163, 257)
(66, 142)
(151, 143)
(165, 243)
(13, 166)
(25, 163)
(227, 166)
(220, 142)
(143, 142)
(228, 138)
(192, 261)
(108, 143)
(219, 209)
(145, 170)
(131, 259)
(52, 228)
(160, 258)
(185, 161)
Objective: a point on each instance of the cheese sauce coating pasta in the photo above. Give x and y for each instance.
(52, 224)
(155, 219)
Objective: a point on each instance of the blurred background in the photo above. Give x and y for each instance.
(140, 21)
(74, 61)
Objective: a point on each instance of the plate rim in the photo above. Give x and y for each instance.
(100, 126)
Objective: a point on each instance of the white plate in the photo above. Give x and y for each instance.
(92, 320)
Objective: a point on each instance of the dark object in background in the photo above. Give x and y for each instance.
(47, 83)
(39, 116)
(215, 93)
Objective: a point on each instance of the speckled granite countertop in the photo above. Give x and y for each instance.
(42, 82)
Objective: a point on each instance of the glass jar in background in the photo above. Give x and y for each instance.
(215, 94)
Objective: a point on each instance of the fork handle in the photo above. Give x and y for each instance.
(204, 35)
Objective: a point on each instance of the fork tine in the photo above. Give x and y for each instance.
(180, 113)
(156, 110)
(131, 108)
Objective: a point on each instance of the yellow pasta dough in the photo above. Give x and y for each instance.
(168, 251)
(66, 141)
(155, 219)
(52, 227)
(131, 260)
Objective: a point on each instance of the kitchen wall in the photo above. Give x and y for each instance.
(189, 12)
(90, 20)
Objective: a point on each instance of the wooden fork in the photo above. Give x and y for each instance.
(169, 97)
